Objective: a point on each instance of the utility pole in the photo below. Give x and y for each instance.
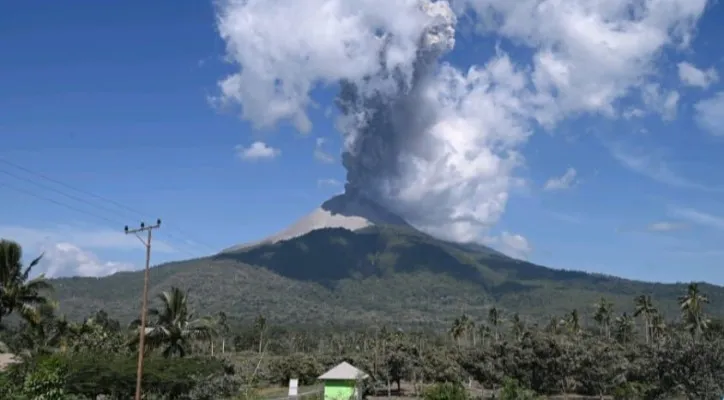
(144, 302)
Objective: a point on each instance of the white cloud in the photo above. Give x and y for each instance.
(456, 155)
(633, 113)
(566, 181)
(698, 217)
(513, 245)
(66, 259)
(321, 155)
(71, 250)
(257, 151)
(664, 103)
(591, 53)
(709, 114)
(328, 182)
(665, 226)
(692, 76)
(571, 218)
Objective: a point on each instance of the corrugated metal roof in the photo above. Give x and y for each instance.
(343, 371)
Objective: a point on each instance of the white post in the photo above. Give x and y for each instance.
(293, 388)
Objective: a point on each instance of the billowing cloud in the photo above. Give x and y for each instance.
(436, 144)
(257, 151)
(565, 181)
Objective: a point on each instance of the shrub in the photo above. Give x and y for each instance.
(445, 391)
(115, 376)
(513, 390)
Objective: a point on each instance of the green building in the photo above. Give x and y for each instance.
(343, 382)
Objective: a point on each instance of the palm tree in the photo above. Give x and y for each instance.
(260, 326)
(554, 325)
(517, 327)
(19, 293)
(462, 326)
(692, 308)
(223, 328)
(173, 325)
(624, 328)
(573, 321)
(658, 327)
(604, 311)
(646, 310)
(457, 329)
(494, 321)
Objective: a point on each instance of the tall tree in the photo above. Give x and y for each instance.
(573, 322)
(18, 292)
(173, 326)
(692, 309)
(624, 328)
(260, 326)
(646, 310)
(222, 324)
(494, 321)
(602, 316)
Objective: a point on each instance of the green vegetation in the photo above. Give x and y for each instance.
(597, 350)
(381, 275)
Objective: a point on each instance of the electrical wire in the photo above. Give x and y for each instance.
(126, 208)
(102, 204)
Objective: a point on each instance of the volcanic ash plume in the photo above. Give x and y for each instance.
(421, 138)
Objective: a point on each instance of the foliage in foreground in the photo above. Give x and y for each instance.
(62, 375)
(630, 356)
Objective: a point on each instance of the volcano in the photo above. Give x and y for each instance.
(349, 210)
(353, 262)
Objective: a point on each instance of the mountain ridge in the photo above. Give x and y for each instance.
(348, 210)
(377, 274)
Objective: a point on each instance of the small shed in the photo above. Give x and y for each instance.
(343, 382)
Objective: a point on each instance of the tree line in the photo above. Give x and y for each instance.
(594, 351)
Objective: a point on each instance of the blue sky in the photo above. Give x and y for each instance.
(113, 99)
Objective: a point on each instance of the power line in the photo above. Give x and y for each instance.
(127, 209)
(52, 189)
(58, 203)
(79, 210)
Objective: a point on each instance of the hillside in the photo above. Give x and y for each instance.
(376, 274)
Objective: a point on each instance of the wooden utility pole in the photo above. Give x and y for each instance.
(144, 301)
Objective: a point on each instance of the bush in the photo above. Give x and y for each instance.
(214, 388)
(631, 391)
(445, 391)
(115, 376)
(513, 390)
(40, 380)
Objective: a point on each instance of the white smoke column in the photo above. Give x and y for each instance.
(430, 142)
